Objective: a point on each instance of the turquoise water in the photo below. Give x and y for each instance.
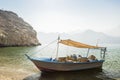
(112, 63)
(13, 57)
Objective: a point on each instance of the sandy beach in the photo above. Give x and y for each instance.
(14, 74)
(22, 74)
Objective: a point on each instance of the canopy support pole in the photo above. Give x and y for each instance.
(88, 52)
(101, 54)
(104, 53)
(103, 50)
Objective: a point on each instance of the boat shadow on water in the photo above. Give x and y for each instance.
(92, 74)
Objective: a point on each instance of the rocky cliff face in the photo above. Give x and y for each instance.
(14, 31)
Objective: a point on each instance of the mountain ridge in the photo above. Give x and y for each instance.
(88, 36)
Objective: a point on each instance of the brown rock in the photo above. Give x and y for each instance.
(14, 31)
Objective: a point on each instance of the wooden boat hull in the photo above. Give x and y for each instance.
(62, 66)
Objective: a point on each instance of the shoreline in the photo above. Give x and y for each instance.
(14, 74)
(22, 74)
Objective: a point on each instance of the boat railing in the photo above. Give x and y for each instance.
(74, 59)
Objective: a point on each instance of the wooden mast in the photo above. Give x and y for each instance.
(57, 48)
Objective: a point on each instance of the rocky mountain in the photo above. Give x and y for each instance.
(91, 36)
(88, 36)
(14, 31)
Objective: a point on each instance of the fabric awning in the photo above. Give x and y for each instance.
(77, 44)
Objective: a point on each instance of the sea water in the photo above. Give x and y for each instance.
(13, 57)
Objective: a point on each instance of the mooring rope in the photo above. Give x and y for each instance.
(33, 53)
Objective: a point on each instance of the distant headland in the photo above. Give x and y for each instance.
(14, 31)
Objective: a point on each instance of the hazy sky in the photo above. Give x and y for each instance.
(67, 15)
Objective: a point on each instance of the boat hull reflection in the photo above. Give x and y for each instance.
(92, 74)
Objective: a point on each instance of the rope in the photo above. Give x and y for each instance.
(43, 48)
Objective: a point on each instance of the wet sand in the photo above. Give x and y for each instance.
(14, 74)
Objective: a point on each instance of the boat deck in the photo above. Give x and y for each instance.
(56, 61)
